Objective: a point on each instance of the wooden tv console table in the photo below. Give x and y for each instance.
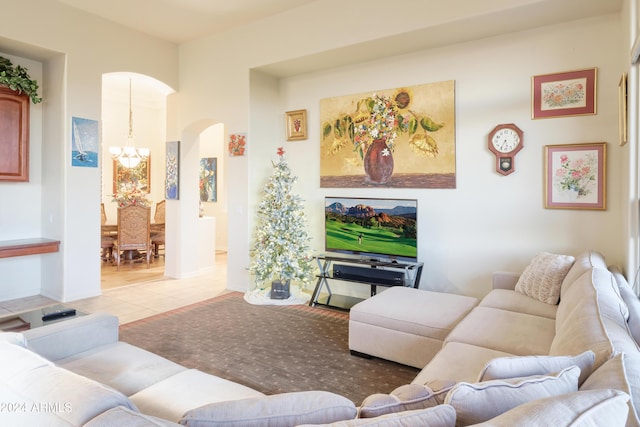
(364, 271)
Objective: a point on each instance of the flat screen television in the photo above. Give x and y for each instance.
(379, 228)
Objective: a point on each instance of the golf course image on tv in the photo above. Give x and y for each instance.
(374, 227)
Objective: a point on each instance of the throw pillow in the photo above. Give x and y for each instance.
(543, 277)
(581, 408)
(633, 305)
(404, 398)
(438, 416)
(306, 407)
(524, 366)
(621, 373)
(476, 403)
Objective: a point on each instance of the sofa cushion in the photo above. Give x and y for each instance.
(50, 395)
(438, 416)
(122, 366)
(506, 299)
(479, 402)
(414, 311)
(583, 262)
(286, 409)
(543, 277)
(633, 305)
(621, 372)
(404, 398)
(457, 362)
(13, 338)
(174, 396)
(405, 325)
(63, 339)
(581, 408)
(591, 317)
(121, 416)
(524, 366)
(507, 331)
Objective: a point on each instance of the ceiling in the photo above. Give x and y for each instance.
(180, 21)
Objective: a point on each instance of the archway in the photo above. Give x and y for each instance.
(146, 98)
(195, 238)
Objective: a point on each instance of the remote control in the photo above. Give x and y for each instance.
(59, 314)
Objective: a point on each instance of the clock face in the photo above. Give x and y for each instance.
(505, 140)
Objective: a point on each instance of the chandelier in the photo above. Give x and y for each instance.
(129, 156)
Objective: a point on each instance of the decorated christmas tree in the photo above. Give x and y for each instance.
(280, 251)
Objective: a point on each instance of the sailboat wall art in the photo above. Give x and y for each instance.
(84, 142)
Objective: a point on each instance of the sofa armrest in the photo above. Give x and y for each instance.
(63, 339)
(505, 279)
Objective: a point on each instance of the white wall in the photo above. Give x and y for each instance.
(225, 79)
(212, 144)
(74, 49)
(25, 197)
(488, 222)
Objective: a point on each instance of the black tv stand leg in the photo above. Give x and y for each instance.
(357, 353)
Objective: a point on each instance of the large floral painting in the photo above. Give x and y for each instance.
(402, 138)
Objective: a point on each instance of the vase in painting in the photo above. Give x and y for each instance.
(378, 162)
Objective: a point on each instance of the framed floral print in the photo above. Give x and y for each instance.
(296, 125)
(570, 93)
(575, 176)
(237, 144)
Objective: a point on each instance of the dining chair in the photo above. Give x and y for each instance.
(157, 235)
(134, 232)
(103, 219)
(106, 241)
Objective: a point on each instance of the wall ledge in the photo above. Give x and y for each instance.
(34, 246)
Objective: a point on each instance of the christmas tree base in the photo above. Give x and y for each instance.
(280, 290)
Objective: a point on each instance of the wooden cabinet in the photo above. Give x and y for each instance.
(14, 136)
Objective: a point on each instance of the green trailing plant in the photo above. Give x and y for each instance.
(17, 78)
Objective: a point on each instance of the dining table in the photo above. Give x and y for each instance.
(112, 229)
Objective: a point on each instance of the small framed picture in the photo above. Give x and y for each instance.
(571, 93)
(296, 122)
(138, 177)
(622, 109)
(172, 171)
(575, 176)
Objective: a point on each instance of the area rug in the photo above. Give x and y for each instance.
(273, 349)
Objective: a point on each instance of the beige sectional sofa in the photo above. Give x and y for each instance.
(597, 318)
(509, 359)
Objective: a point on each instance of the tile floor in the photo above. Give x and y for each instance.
(134, 302)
